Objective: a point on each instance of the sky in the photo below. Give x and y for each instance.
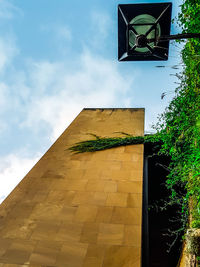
(58, 57)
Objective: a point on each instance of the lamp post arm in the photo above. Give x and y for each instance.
(179, 36)
(164, 38)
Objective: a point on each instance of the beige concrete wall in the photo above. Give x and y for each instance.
(79, 210)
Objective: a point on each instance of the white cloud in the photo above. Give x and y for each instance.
(3, 95)
(100, 22)
(43, 75)
(3, 126)
(7, 10)
(12, 169)
(8, 50)
(60, 37)
(61, 95)
(101, 27)
(4, 98)
(64, 32)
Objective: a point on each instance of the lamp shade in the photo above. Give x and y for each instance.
(139, 29)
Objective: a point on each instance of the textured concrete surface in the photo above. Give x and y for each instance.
(79, 210)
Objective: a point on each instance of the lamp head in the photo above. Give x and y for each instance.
(139, 29)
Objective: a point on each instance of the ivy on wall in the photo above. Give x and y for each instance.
(102, 143)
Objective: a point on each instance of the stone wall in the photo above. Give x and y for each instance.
(79, 210)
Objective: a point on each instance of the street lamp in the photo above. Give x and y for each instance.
(144, 31)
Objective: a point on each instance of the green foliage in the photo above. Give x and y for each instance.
(179, 125)
(101, 143)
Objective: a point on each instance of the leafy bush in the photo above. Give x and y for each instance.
(180, 123)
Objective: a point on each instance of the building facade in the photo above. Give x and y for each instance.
(79, 210)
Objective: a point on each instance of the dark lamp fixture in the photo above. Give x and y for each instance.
(144, 31)
(140, 27)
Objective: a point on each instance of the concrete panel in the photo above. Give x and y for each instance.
(79, 210)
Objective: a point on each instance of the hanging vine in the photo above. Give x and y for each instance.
(102, 143)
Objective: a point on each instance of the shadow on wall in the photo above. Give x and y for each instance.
(161, 251)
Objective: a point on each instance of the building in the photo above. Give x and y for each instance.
(79, 209)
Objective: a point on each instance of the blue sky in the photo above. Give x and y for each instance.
(57, 57)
